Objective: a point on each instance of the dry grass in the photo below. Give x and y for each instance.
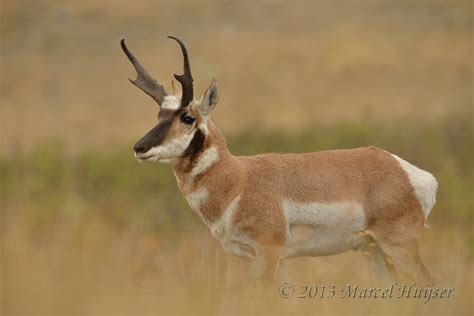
(86, 230)
(99, 234)
(95, 270)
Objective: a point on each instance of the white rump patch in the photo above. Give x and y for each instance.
(170, 102)
(171, 149)
(208, 158)
(423, 182)
(316, 229)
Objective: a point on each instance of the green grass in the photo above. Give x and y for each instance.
(45, 183)
(83, 218)
(97, 232)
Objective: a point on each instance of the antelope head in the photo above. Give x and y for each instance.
(182, 120)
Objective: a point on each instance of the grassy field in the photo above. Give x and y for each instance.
(87, 230)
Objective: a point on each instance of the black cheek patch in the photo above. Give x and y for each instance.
(156, 135)
(195, 146)
(161, 132)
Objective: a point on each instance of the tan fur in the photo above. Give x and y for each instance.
(366, 175)
(327, 197)
(274, 206)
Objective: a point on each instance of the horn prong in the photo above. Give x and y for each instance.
(144, 81)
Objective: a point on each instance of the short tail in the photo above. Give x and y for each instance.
(424, 183)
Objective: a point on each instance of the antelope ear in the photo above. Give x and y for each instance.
(210, 98)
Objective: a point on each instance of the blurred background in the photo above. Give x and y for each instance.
(87, 230)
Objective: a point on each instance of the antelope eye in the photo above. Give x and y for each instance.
(187, 120)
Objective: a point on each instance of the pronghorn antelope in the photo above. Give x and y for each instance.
(270, 207)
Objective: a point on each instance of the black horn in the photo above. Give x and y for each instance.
(144, 81)
(186, 79)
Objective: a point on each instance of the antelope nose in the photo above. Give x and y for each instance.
(139, 148)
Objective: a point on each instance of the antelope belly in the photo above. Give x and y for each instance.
(319, 229)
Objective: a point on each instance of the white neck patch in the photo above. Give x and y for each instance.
(196, 199)
(170, 102)
(208, 158)
(219, 227)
